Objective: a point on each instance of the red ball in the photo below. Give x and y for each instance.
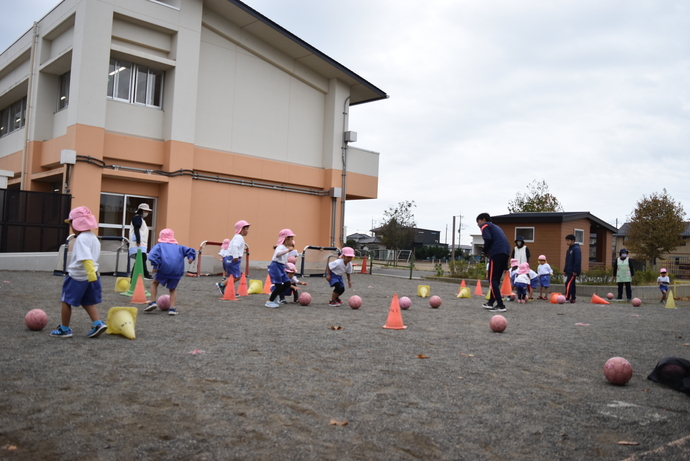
(405, 303)
(36, 319)
(618, 371)
(435, 302)
(498, 323)
(610, 295)
(304, 299)
(560, 299)
(355, 302)
(637, 302)
(163, 302)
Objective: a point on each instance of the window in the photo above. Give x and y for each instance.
(13, 117)
(526, 233)
(117, 211)
(63, 91)
(579, 236)
(135, 84)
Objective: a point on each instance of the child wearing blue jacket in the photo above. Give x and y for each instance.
(167, 259)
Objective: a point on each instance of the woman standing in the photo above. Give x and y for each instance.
(139, 235)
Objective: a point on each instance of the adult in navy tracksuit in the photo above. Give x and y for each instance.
(573, 266)
(496, 247)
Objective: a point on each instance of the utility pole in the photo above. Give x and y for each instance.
(453, 241)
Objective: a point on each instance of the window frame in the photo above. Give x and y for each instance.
(63, 90)
(9, 114)
(129, 203)
(527, 240)
(575, 233)
(154, 83)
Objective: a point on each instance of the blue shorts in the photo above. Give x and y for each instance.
(277, 273)
(76, 293)
(534, 283)
(545, 280)
(168, 283)
(335, 279)
(521, 288)
(663, 288)
(232, 266)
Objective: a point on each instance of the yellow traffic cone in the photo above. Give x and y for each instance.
(423, 290)
(670, 302)
(121, 284)
(256, 287)
(464, 293)
(121, 321)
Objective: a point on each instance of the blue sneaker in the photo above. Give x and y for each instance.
(62, 332)
(221, 289)
(97, 330)
(172, 311)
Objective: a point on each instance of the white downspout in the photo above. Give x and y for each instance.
(346, 115)
(25, 170)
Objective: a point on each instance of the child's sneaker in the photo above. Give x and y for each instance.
(282, 301)
(339, 301)
(172, 311)
(152, 306)
(221, 289)
(272, 304)
(97, 330)
(62, 332)
(333, 303)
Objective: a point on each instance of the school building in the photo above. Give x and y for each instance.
(204, 109)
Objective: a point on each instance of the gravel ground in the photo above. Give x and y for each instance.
(270, 383)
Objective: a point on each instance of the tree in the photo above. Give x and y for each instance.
(538, 199)
(398, 229)
(656, 227)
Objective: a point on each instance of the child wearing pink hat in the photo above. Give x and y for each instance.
(276, 270)
(82, 286)
(663, 281)
(336, 269)
(522, 281)
(545, 272)
(291, 272)
(232, 255)
(167, 259)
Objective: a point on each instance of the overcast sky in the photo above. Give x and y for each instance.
(486, 96)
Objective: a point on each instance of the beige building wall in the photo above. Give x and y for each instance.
(240, 103)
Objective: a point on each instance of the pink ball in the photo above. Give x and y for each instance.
(637, 302)
(304, 299)
(498, 323)
(435, 302)
(355, 302)
(610, 295)
(36, 319)
(513, 297)
(560, 299)
(618, 371)
(163, 302)
(405, 303)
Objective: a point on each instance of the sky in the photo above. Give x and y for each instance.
(487, 96)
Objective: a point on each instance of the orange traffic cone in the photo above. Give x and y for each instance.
(243, 286)
(229, 293)
(267, 285)
(394, 321)
(506, 290)
(139, 296)
(364, 265)
(553, 299)
(462, 285)
(478, 290)
(597, 300)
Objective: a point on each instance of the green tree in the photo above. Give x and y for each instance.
(397, 232)
(656, 227)
(537, 199)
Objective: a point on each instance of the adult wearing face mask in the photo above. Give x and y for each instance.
(139, 235)
(520, 252)
(623, 272)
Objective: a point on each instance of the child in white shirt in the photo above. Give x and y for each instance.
(663, 280)
(522, 281)
(336, 269)
(545, 272)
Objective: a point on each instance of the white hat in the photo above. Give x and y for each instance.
(144, 206)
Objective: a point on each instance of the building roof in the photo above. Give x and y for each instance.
(623, 231)
(260, 26)
(550, 217)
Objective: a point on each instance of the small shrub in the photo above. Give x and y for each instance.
(646, 277)
(598, 276)
(463, 269)
(557, 276)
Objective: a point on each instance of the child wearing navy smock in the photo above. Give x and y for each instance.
(82, 286)
(276, 270)
(167, 259)
(336, 269)
(232, 257)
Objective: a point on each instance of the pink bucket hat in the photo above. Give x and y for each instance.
(167, 236)
(513, 262)
(239, 225)
(542, 257)
(663, 269)
(347, 251)
(292, 259)
(289, 267)
(282, 235)
(82, 219)
(225, 245)
(523, 268)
